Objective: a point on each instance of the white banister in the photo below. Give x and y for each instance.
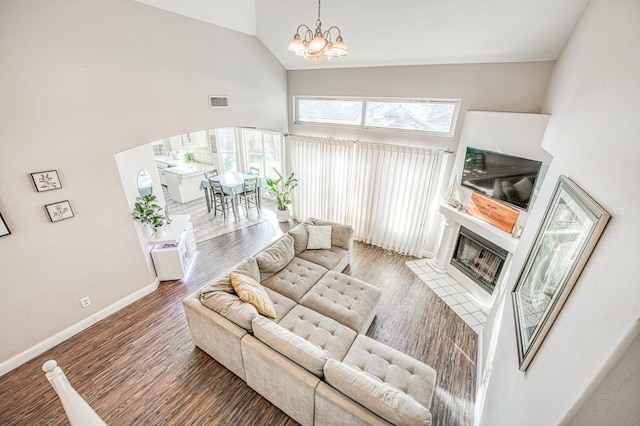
(78, 411)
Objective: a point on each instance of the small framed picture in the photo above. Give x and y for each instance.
(59, 211)
(46, 181)
(4, 229)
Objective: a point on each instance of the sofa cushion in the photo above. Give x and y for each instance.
(300, 238)
(395, 381)
(294, 347)
(333, 338)
(295, 279)
(248, 267)
(349, 301)
(275, 257)
(219, 296)
(319, 237)
(281, 304)
(336, 258)
(250, 291)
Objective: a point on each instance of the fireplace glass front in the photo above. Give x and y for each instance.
(478, 259)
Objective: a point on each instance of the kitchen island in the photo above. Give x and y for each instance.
(183, 181)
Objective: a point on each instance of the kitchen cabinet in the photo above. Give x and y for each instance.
(161, 168)
(163, 162)
(194, 139)
(188, 140)
(174, 248)
(183, 181)
(175, 143)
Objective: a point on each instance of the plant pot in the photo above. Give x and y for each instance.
(282, 215)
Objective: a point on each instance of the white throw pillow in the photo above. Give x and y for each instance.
(319, 237)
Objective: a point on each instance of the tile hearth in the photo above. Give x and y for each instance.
(459, 299)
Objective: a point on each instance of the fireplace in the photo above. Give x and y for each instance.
(479, 259)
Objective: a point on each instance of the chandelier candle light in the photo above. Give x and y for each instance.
(317, 45)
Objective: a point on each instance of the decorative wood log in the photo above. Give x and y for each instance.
(493, 212)
(78, 411)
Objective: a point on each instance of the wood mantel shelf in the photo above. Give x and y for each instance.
(484, 229)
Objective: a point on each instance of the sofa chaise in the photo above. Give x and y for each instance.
(299, 340)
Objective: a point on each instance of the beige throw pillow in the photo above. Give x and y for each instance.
(251, 291)
(319, 237)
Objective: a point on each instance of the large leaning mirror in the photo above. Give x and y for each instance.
(145, 184)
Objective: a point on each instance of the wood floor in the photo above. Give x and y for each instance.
(140, 367)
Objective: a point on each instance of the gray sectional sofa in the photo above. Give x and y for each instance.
(312, 360)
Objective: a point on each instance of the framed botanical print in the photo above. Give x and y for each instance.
(46, 181)
(59, 211)
(569, 232)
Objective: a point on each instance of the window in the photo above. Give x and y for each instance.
(330, 111)
(264, 151)
(435, 116)
(226, 141)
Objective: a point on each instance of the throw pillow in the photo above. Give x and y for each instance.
(319, 237)
(251, 291)
(509, 191)
(523, 187)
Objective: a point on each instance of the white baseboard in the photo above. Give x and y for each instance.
(34, 351)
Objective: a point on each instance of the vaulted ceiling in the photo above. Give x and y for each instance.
(401, 32)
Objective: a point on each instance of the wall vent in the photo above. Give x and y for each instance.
(218, 102)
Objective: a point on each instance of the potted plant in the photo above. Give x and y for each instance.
(147, 211)
(281, 189)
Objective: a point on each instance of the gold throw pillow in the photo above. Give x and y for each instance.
(251, 291)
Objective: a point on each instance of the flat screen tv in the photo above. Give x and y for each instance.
(503, 177)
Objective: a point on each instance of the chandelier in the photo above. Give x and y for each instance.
(318, 44)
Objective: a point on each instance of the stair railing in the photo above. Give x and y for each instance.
(78, 411)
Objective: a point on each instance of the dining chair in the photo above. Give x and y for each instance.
(210, 174)
(221, 202)
(249, 194)
(256, 172)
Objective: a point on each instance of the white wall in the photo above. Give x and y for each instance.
(514, 87)
(82, 80)
(593, 134)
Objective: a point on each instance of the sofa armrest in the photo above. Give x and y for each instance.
(214, 334)
(341, 235)
(386, 401)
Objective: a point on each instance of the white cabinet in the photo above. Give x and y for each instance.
(183, 182)
(174, 248)
(188, 140)
(194, 139)
(161, 168)
(175, 143)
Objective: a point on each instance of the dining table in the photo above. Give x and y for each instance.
(232, 184)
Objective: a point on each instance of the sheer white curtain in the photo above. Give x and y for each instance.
(388, 193)
(321, 166)
(395, 192)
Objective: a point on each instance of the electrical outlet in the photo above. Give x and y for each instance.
(85, 302)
